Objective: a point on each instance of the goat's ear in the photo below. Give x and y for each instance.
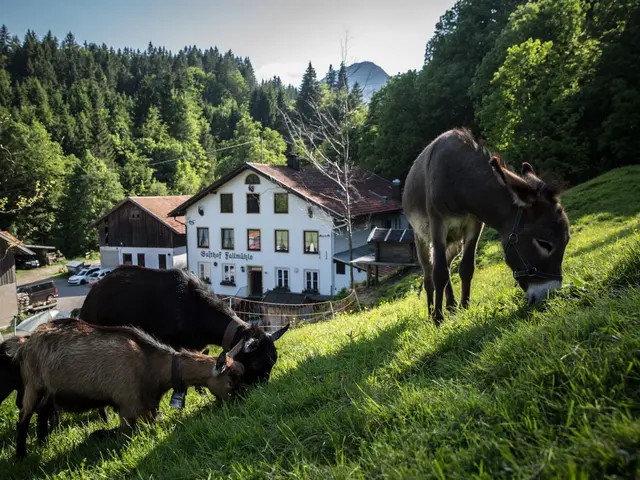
(523, 194)
(220, 366)
(278, 333)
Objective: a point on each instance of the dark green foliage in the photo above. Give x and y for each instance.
(554, 83)
(144, 122)
(310, 95)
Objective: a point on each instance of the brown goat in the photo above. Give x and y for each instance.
(78, 366)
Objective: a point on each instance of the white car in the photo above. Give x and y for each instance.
(82, 277)
(97, 276)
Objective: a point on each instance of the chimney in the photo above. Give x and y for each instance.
(292, 159)
(396, 192)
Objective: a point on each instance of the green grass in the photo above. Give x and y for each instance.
(501, 390)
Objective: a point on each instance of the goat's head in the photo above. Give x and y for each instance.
(258, 353)
(226, 374)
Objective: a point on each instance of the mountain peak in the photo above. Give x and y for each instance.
(369, 76)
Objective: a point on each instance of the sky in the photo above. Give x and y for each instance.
(279, 36)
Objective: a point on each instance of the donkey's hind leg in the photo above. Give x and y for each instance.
(453, 249)
(424, 256)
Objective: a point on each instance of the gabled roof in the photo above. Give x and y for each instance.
(158, 207)
(312, 185)
(13, 241)
(391, 235)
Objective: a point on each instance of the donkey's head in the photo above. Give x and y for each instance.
(535, 235)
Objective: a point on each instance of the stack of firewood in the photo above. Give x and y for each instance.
(23, 302)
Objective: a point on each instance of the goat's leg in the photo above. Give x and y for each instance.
(424, 257)
(29, 402)
(102, 412)
(45, 416)
(468, 262)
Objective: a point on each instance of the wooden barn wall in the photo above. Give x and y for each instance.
(145, 231)
(7, 265)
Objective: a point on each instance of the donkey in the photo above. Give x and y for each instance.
(454, 187)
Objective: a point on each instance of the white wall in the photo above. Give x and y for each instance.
(175, 257)
(296, 221)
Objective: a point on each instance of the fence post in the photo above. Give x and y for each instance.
(357, 299)
(333, 314)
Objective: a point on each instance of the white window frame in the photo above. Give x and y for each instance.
(204, 271)
(285, 273)
(227, 269)
(306, 285)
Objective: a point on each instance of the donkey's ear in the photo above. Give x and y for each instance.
(497, 168)
(527, 169)
(523, 194)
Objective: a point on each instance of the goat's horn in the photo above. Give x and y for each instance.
(235, 350)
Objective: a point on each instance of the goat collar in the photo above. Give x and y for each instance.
(176, 379)
(230, 333)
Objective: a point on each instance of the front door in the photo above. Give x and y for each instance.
(255, 282)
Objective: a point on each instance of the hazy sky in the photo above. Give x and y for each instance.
(280, 36)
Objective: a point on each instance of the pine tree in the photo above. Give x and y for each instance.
(310, 95)
(343, 81)
(330, 79)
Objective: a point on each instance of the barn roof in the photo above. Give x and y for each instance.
(391, 235)
(314, 186)
(11, 240)
(158, 207)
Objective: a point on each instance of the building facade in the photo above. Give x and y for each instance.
(138, 231)
(275, 228)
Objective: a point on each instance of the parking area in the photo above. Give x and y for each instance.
(70, 296)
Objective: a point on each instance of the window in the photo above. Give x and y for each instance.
(141, 259)
(311, 280)
(226, 203)
(397, 223)
(135, 214)
(282, 240)
(127, 259)
(227, 239)
(252, 179)
(229, 274)
(310, 242)
(387, 224)
(281, 203)
(253, 203)
(204, 271)
(282, 277)
(341, 268)
(162, 261)
(203, 237)
(253, 239)
(106, 235)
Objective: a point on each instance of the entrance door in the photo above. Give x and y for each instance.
(255, 281)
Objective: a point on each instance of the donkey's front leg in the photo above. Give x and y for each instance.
(440, 278)
(468, 262)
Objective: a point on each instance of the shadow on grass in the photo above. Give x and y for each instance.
(608, 240)
(284, 414)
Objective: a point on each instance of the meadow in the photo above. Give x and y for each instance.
(501, 390)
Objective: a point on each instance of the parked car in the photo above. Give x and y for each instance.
(82, 277)
(97, 276)
(25, 262)
(42, 291)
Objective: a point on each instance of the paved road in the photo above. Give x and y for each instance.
(70, 296)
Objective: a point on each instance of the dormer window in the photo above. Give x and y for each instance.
(252, 179)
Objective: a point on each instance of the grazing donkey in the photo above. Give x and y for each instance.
(453, 188)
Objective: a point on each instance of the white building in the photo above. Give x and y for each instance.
(264, 228)
(138, 231)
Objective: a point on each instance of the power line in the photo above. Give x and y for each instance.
(213, 150)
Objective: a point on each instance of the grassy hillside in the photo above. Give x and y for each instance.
(502, 390)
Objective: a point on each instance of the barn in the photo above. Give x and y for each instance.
(138, 231)
(10, 246)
